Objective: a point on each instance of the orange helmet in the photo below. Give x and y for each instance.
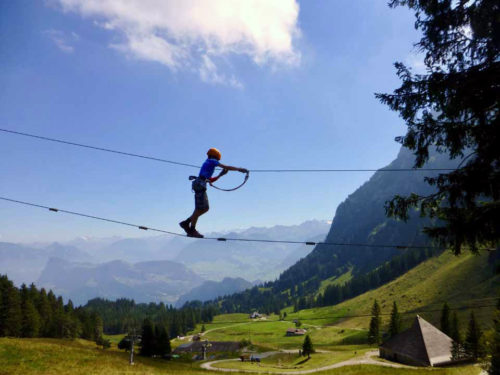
(214, 153)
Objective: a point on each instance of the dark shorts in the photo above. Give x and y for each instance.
(200, 195)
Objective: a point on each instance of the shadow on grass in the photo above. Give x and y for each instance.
(304, 361)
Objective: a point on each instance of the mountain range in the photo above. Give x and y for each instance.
(359, 221)
(159, 268)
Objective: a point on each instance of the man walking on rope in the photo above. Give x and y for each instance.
(200, 189)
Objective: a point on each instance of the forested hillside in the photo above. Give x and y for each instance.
(29, 312)
(123, 315)
(361, 219)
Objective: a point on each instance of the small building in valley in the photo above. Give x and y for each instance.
(295, 332)
(421, 345)
(255, 315)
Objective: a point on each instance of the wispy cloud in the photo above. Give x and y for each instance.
(63, 40)
(193, 34)
(416, 62)
(209, 73)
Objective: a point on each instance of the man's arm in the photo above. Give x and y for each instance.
(230, 168)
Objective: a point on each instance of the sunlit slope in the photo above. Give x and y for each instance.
(466, 280)
(53, 356)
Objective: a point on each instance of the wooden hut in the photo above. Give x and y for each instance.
(421, 345)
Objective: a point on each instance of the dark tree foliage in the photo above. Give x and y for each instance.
(307, 347)
(102, 342)
(375, 323)
(494, 368)
(163, 347)
(454, 106)
(125, 343)
(445, 320)
(455, 329)
(472, 344)
(28, 312)
(118, 315)
(302, 297)
(148, 342)
(395, 323)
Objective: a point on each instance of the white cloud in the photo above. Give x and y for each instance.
(64, 41)
(193, 34)
(209, 73)
(416, 63)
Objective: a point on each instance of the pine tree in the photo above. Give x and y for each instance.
(455, 329)
(148, 342)
(457, 350)
(30, 320)
(97, 326)
(162, 341)
(395, 324)
(374, 332)
(307, 347)
(445, 319)
(5, 285)
(472, 345)
(13, 322)
(45, 313)
(494, 368)
(454, 105)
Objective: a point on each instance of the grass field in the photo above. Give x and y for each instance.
(334, 280)
(114, 339)
(461, 281)
(293, 362)
(271, 334)
(75, 357)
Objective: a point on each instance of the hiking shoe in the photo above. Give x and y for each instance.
(194, 233)
(185, 225)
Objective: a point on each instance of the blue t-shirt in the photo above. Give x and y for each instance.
(208, 168)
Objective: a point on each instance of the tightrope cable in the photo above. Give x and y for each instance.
(223, 239)
(125, 153)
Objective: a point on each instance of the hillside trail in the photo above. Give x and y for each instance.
(366, 359)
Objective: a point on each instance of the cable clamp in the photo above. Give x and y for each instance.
(53, 209)
(221, 239)
(310, 243)
(143, 228)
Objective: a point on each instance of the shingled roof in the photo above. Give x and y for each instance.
(422, 343)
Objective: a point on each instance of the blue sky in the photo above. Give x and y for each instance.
(286, 85)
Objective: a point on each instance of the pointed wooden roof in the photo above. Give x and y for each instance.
(423, 342)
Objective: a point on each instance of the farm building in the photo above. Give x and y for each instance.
(421, 345)
(255, 315)
(295, 332)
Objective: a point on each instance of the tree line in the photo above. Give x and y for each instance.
(269, 298)
(30, 312)
(123, 315)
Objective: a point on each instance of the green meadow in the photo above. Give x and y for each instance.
(75, 357)
(462, 281)
(293, 362)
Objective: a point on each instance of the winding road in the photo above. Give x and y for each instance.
(364, 360)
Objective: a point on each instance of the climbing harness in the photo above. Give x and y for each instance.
(224, 171)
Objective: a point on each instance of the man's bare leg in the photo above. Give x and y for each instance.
(194, 217)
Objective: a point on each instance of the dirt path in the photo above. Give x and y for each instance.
(190, 337)
(365, 360)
